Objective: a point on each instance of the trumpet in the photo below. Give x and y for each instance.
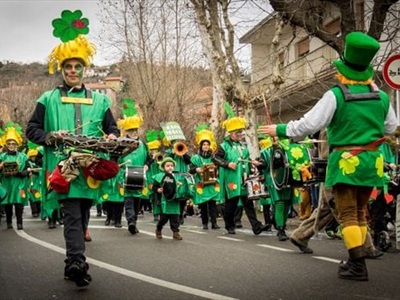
(180, 148)
(158, 157)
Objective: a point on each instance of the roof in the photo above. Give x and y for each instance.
(244, 39)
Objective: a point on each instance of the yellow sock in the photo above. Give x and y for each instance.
(363, 233)
(352, 236)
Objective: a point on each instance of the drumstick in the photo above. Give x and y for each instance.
(245, 160)
(124, 163)
(102, 131)
(82, 125)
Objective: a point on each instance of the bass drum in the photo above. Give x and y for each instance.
(134, 178)
(284, 167)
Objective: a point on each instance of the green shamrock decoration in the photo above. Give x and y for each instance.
(70, 25)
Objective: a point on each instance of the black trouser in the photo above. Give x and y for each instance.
(182, 205)
(35, 207)
(19, 209)
(173, 222)
(76, 219)
(248, 205)
(238, 215)
(114, 211)
(132, 205)
(208, 209)
(267, 214)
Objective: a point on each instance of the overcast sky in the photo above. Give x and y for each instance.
(26, 33)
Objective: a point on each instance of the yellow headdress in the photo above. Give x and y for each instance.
(153, 141)
(264, 141)
(12, 131)
(204, 134)
(71, 28)
(131, 118)
(33, 149)
(233, 123)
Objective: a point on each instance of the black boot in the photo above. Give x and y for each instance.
(354, 268)
(282, 234)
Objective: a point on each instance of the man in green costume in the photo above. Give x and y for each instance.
(357, 116)
(74, 109)
(233, 159)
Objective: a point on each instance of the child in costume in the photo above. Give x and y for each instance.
(34, 180)
(167, 206)
(207, 194)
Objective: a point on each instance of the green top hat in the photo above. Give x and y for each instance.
(359, 51)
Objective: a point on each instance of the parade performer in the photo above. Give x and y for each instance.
(324, 214)
(233, 159)
(140, 157)
(282, 199)
(381, 200)
(357, 116)
(207, 190)
(14, 171)
(182, 162)
(71, 108)
(35, 179)
(154, 145)
(167, 205)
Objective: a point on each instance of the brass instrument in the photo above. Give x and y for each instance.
(158, 157)
(180, 148)
(209, 175)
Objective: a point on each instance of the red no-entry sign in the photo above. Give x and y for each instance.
(391, 71)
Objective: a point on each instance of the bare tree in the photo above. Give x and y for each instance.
(218, 39)
(160, 57)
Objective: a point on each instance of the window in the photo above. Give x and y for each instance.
(303, 47)
(333, 26)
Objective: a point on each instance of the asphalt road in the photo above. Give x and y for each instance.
(206, 264)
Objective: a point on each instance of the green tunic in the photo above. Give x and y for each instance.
(61, 116)
(170, 207)
(356, 123)
(204, 193)
(232, 180)
(35, 183)
(112, 190)
(15, 185)
(285, 194)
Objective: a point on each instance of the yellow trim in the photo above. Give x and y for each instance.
(77, 100)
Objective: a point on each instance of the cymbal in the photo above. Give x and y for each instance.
(312, 141)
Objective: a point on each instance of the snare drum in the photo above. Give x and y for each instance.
(256, 188)
(134, 178)
(209, 175)
(286, 167)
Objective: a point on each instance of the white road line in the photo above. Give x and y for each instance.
(275, 248)
(128, 273)
(230, 239)
(196, 231)
(327, 259)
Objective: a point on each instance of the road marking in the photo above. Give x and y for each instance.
(230, 239)
(275, 248)
(196, 231)
(128, 273)
(327, 259)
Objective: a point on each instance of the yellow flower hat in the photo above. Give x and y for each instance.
(154, 145)
(71, 28)
(234, 123)
(204, 135)
(12, 134)
(32, 152)
(128, 123)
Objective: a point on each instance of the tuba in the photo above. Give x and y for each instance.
(158, 157)
(180, 148)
